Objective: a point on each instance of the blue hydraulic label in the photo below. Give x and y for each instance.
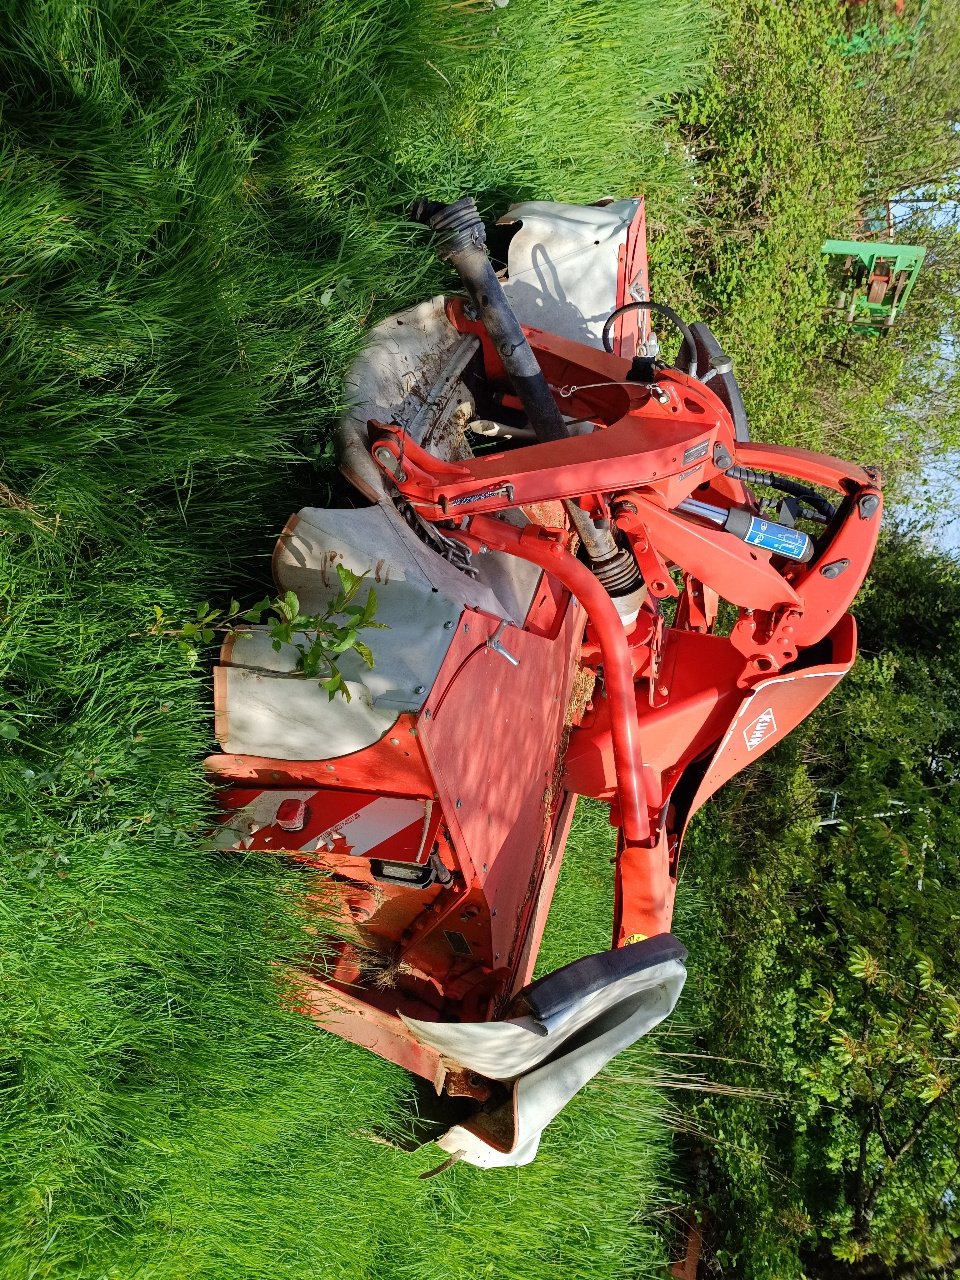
(792, 543)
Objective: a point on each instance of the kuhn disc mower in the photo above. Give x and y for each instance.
(551, 515)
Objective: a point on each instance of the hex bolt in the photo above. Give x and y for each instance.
(389, 462)
(834, 569)
(721, 457)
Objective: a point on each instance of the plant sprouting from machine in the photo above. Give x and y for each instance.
(320, 639)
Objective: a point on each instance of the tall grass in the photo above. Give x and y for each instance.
(200, 215)
(564, 106)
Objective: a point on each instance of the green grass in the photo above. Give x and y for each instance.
(200, 215)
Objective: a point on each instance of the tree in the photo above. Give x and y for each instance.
(882, 1025)
(834, 961)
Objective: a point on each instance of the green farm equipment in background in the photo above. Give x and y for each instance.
(876, 276)
(877, 279)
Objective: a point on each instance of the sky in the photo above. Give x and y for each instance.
(942, 476)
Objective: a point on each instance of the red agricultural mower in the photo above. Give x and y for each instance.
(593, 584)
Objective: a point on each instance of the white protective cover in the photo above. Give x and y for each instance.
(562, 265)
(266, 709)
(547, 1061)
(405, 357)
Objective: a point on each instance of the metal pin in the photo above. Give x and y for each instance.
(496, 644)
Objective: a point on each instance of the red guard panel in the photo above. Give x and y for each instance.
(633, 283)
(491, 738)
(775, 707)
(395, 764)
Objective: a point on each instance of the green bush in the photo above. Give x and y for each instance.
(826, 962)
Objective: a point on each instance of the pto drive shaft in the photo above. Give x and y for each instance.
(463, 243)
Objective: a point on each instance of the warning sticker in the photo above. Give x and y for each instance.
(696, 452)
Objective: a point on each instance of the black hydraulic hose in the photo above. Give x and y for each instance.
(463, 243)
(796, 490)
(664, 310)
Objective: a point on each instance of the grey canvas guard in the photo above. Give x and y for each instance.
(579, 1018)
(264, 711)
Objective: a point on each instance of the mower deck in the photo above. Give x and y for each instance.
(550, 630)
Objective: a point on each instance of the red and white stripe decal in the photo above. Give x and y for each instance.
(334, 821)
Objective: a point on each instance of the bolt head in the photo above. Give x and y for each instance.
(868, 505)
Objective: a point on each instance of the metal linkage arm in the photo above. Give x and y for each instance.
(540, 547)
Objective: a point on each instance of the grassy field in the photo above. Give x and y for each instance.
(200, 215)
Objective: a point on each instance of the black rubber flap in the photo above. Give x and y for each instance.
(558, 991)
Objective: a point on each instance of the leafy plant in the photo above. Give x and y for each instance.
(827, 961)
(320, 639)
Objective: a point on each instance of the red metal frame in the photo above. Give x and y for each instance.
(498, 753)
(784, 607)
(633, 284)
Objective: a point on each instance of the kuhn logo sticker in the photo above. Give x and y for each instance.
(759, 730)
